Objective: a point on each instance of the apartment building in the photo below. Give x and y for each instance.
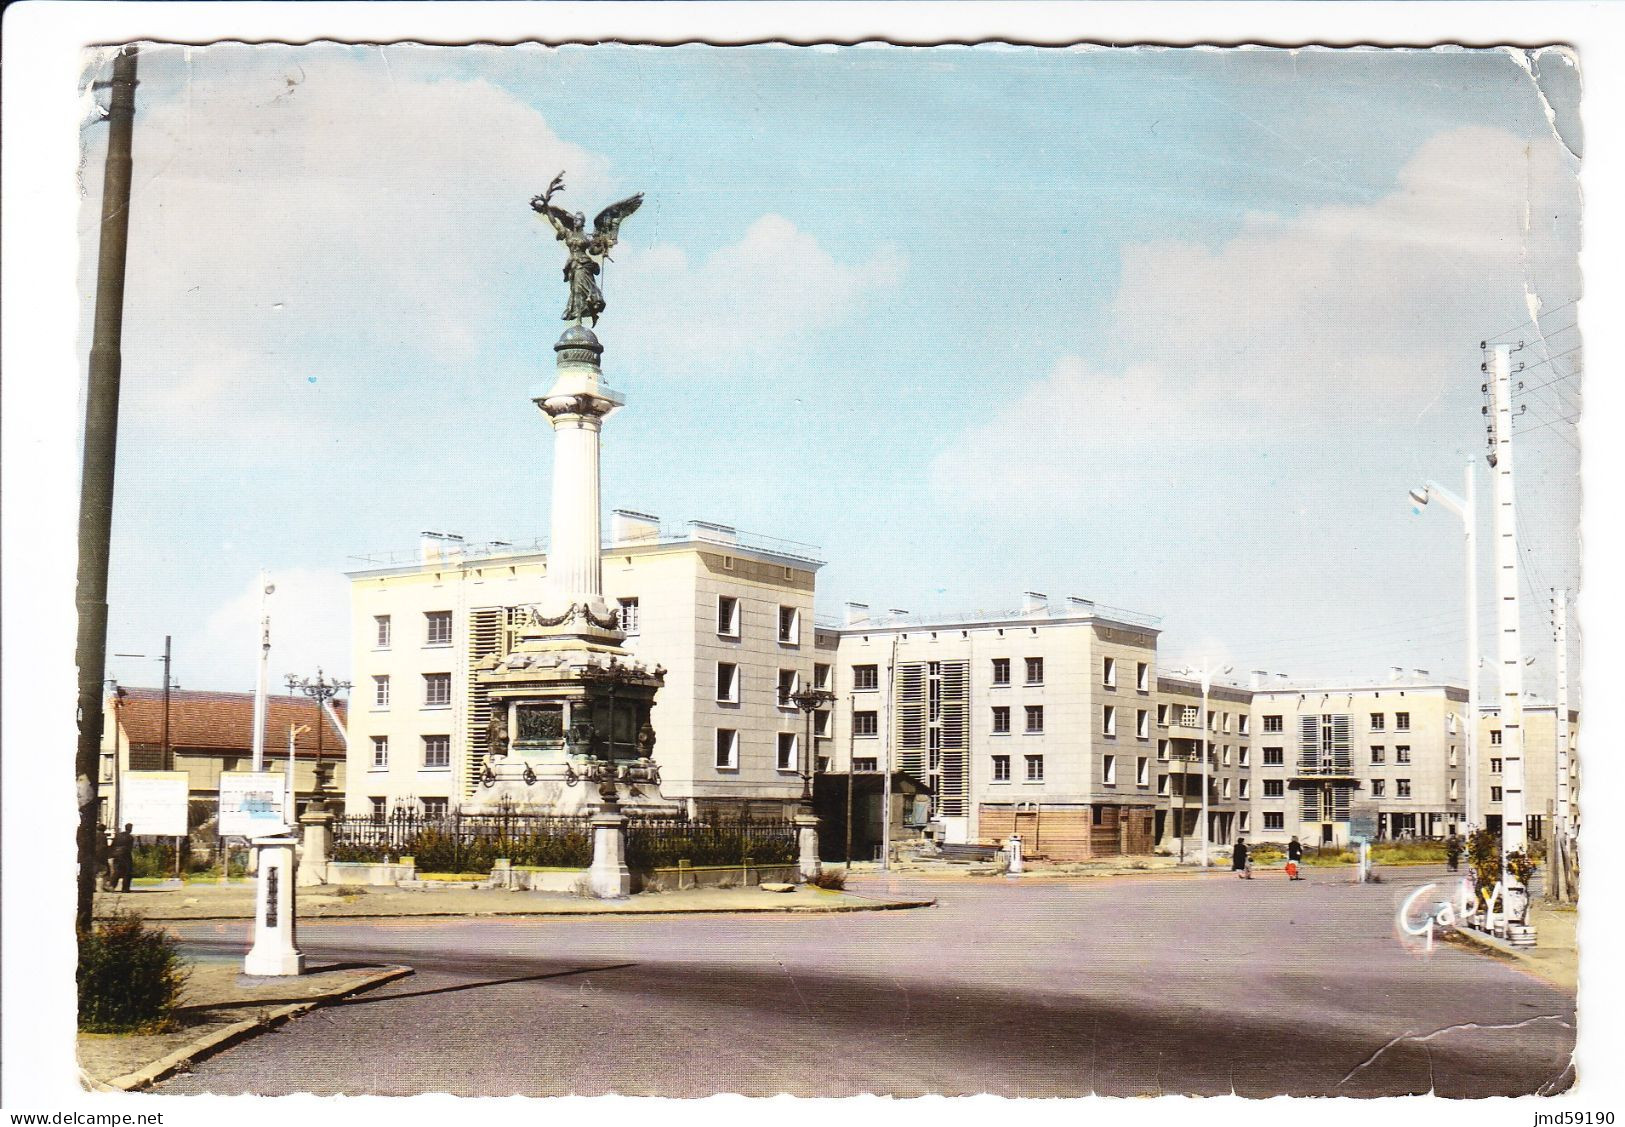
(1182, 733)
(1383, 759)
(729, 617)
(1539, 766)
(1038, 721)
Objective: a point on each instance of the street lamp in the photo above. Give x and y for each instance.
(1205, 675)
(1464, 508)
(810, 700)
(320, 690)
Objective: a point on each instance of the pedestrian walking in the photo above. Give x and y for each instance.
(123, 859)
(104, 857)
(1294, 859)
(1452, 852)
(1239, 862)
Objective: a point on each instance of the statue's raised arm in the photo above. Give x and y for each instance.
(587, 252)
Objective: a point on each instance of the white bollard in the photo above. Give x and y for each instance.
(1014, 847)
(275, 950)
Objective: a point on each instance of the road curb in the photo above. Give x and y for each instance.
(788, 909)
(214, 1042)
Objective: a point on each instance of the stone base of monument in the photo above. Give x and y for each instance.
(609, 878)
(519, 784)
(275, 951)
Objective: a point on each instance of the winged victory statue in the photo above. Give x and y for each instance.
(588, 252)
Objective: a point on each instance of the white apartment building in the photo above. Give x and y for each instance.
(1539, 766)
(729, 617)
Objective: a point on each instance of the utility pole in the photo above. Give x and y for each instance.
(1558, 861)
(1510, 651)
(169, 760)
(851, 746)
(96, 479)
(262, 682)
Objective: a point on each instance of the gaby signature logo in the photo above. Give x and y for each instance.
(1418, 916)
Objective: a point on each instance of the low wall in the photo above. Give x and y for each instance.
(368, 872)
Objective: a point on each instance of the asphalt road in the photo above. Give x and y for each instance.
(1123, 986)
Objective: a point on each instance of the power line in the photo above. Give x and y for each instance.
(1533, 320)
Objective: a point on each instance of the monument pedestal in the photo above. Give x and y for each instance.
(318, 846)
(609, 878)
(275, 951)
(807, 839)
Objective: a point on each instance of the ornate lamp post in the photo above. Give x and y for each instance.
(320, 690)
(810, 700)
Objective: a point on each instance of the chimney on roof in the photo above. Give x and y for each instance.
(856, 613)
(715, 533)
(897, 612)
(1255, 679)
(1420, 674)
(628, 527)
(1032, 602)
(1281, 680)
(429, 546)
(1396, 673)
(1082, 606)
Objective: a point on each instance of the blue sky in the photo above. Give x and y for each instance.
(1173, 330)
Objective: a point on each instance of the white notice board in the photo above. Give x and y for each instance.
(251, 803)
(154, 802)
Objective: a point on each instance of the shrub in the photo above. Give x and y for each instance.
(130, 977)
(832, 879)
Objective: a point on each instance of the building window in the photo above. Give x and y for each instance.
(381, 638)
(437, 628)
(1274, 820)
(821, 676)
(821, 723)
(1001, 768)
(1190, 716)
(1108, 770)
(789, 685)
(629, 616)
(1035, 768)
(727, 682)
(1225, 788)
(1453, 790)
(1162, 784)
(1241, 723)
(865, 678)
(1226, 755)
(1142, 676)
(866, 724)
(1035, 718)
(1402, 754)
(1241, 757)
(1378, 786)
(1108, 722)
(1533, 822)
(380, 691)
(1241, 822)
(1272, 724)
(1402, 721)
(1274, 757)
(380, 752)
(380, 807)
(1162, 750)
(1001, 671)
(1108, 672)
(1495, 794)
(727, 749)
(1274, 788)
(865, 763)
(1495, 765)
(437, 751)
(1001, 720)
(1452, 755)
(787, 751)
(789, 626)
(1162, 716)
(1379, 755)
(1142, 772)
(1035, 671)
(1225, 716)
(1142, 724)
(435, 808)
(1377, 721)
(437, 690)
(1402, 788)
(727, 616)
(1495, 737)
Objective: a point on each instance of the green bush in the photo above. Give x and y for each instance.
(705, 844)
(130, 977)
(832, 879)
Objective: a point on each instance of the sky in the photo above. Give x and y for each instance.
(1173, 330)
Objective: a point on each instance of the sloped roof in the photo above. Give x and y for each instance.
(225, 721)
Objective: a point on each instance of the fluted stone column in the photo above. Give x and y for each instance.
(317, 846)
(609, 878)
(807, 838)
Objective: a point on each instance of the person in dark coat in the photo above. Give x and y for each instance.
(123, 860)
(104, 857)
(1294, 854)
(1452, 852)
(1238, 860)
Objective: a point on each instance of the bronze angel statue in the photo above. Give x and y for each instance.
(587, 252)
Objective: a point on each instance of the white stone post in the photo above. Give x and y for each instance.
(318, 847)
(1014, 848)
(609, 878)
(275, 950)
(807, 838)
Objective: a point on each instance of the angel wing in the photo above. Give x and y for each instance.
(607, 227)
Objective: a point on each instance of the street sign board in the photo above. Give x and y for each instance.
(154, 802)
(251, 803)
(1363, 820)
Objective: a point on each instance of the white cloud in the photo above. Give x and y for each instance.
(747, 300)
(310, 627)
(1335, 314)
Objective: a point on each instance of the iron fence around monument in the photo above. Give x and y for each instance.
(471, 843)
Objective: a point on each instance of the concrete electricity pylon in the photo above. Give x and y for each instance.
(1560, 861)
